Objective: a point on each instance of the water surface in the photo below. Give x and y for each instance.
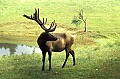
(17, 49)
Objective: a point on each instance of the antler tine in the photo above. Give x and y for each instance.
(43, 20)
(31, 17)
(42, 25)
(46, 21)
(36, 16)
(53, 24)
(39, 21)
(38, 13)
(51, 30)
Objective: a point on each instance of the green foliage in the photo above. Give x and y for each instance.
(76, 20)
(79, 19)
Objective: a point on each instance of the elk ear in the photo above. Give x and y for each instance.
(46, 34)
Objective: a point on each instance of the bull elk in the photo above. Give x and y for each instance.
(49, 42)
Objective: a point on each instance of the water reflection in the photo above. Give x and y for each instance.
(15, 49)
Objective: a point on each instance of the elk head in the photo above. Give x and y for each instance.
(46, 35)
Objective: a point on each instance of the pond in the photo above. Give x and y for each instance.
(7, 49)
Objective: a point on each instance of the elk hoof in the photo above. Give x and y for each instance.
(49, 69)
(42, 69)
(62, 66)
(73, 64)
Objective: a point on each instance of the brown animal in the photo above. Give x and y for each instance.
(49, 42)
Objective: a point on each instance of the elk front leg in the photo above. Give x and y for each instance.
(67, 55)
(49, 53)
(44, 55)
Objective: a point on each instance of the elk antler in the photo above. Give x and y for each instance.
(42, 24)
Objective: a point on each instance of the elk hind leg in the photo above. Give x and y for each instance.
(73, 55)
(67, 55)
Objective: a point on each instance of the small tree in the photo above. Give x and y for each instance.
(79, 19)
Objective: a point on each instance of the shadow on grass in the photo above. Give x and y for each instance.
(110, 69)
(36, 73)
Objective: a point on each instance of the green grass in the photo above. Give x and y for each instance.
(90, 63)
(97, 51)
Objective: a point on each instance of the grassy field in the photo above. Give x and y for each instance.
(97, 51)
